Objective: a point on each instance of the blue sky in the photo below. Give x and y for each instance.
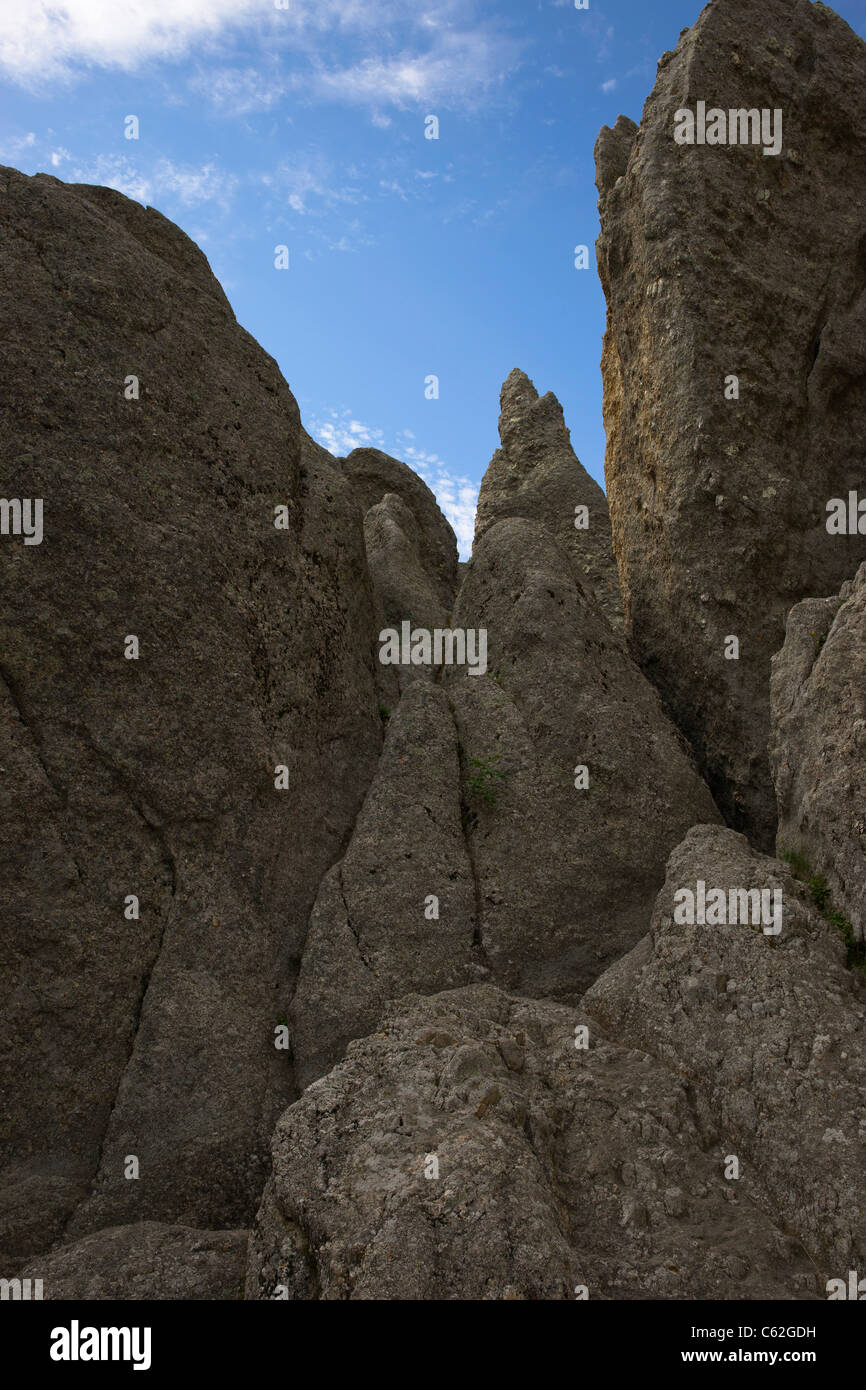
(304, 126)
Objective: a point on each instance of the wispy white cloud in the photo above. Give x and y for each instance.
(190, 185)
(609, 86)
(14, 146)
(377, 53)
(340, 433)
(456, 494)
(310, 183)
(458, 69)
(240, 91)
(44, 40)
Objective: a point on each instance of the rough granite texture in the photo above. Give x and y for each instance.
(155, 777)
(566, 875)
(373, 474)
(147, 1260)
(405, 589)
(719, 261)
(437, 844)
(559, 1169)
(766, 1032)
(818, 744)
(370, 937)
(536, 474)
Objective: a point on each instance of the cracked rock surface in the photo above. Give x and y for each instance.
(155, 777)
(719, 505)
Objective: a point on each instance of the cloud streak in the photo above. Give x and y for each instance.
(373, 53)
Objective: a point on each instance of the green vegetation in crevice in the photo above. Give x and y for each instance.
(819, 891)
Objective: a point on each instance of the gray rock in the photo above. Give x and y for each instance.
(539, 884)
(718, 261)
(155, 777)
(373, 474)
(424, 1166)
(405, 589)
(566, 876)
(818, 743)
(537, 475)
(147, 1260)
(371, 934)
(766, 1033)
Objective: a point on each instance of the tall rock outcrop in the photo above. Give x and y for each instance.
(576, 784)
(404, 587)
(524, 807)
(536, 474)
(163, 651)
(520, 819)
(719, 261)
(818, 745)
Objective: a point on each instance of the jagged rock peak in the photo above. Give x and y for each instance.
(612, 149)
(537, 475)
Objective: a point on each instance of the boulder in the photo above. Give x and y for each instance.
(766, 1032)
(472, 1149)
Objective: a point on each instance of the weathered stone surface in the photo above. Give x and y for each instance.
(406, 590)
(370, 937)
(373, 474)
(566, 876)
(767, 1034)
(146, 1260)
(537, 475)
(432, 837)
(719, 261)
(818, 743)
(557, 1167)
(155, 776)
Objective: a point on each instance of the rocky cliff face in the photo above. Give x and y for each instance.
(520, 819)
(145, 1027)
(329, 978)
(734, 366)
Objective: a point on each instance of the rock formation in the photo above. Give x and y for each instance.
(371, 936)
(721, 262)
(766, 1032)
(146, 1260)
(373, 475)
(576, 785)
(818, 748)
(327, 978)
(478, 851)
(507, 1163)
(162, 440)
(536, 475)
